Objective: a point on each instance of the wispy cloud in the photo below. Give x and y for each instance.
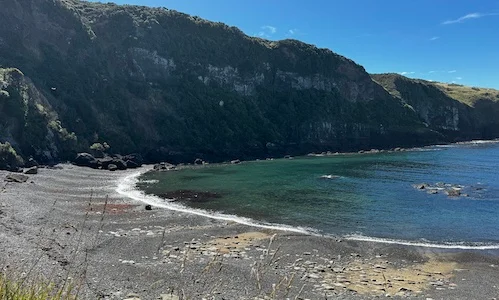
(451, 71)
(459, 78)
(269, 29)
(292, 31)
(266, 31)
(469, 17)
(434, 38)
(407, 73)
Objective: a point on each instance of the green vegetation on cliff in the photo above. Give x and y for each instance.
(174, 87)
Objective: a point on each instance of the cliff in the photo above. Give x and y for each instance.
(175, 87)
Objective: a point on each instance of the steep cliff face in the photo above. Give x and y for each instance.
(28, 122)
(458, 111)
(174, 87)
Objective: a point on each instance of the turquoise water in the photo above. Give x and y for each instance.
(367, 194)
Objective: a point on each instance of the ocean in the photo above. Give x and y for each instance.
(392, 197)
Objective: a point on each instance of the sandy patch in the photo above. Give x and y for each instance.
(377, 277)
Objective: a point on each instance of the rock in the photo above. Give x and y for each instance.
(31, 163)
(288, 156)
(132, 164)
(112, 167)
(86, 160)
(198, 161)
(235, 161)
(133, 160)
(32, 170)
(20, 178)
(420, 186)
(132, 296)
(148, 207)
(169, 297)
(453, 193)
(432, 191)
(120, 163)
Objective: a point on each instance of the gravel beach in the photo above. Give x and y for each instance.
(71, 223)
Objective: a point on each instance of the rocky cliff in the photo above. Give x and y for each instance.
(174, 87)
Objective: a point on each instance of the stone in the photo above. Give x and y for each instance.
(19, 178)
(31, 163)
(112, 167)
(235, 162)
(86, 160)
(169, 297)
(198, 161)
(32, 170)
(453, 193)
(148, 207)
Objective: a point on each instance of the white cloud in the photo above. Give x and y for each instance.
(269, 29)
(459, 78)
(292, 31)
(406, 73)
(469, 17)
(431, 72)
(434, 38)
(451, 71)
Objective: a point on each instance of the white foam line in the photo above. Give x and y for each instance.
(126, 187)
(419, 244)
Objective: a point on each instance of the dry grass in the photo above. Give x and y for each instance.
(14, 289)
(466, 94)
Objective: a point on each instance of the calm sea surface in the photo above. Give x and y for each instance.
(367, 194)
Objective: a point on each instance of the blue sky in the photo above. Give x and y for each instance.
(442, 40)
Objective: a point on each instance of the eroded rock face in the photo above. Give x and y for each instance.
(144, 79)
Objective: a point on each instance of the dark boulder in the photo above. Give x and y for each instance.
(86, 160)
(132, 164)
(148, 207)
(112, 167)
(198, 161)
(20, 178)
(235, 161)
(119, 163)
(31, 163)
(135, 158)
(32, 170)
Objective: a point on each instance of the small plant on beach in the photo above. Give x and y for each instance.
(13, 289)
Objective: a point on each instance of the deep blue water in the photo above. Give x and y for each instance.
(373, 195)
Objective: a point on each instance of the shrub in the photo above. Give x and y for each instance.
(9, 159)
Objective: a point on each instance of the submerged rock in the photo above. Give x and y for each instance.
(189, 195)
(453, 193)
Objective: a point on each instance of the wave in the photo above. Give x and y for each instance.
(126, 186)
(425, 244)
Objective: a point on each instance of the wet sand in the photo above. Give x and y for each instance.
(72, 223)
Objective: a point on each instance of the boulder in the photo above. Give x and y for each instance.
(20, 178)
(119, 163)
(31, 163)
(135, 158)
(132, 164)
(112, 167)
(148, 207)
(86, 160)
(32, 170)
(198, 161)
(235, 161)
(453, 193)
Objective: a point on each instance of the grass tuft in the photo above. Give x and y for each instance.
(14, 289)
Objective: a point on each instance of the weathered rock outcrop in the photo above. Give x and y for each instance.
(173, 87)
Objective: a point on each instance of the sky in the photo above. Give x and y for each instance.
(454, 41)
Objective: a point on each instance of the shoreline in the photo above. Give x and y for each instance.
(72, 222)
(151, 199)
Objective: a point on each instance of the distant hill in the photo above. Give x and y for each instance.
(466, 112)
(175, 87)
